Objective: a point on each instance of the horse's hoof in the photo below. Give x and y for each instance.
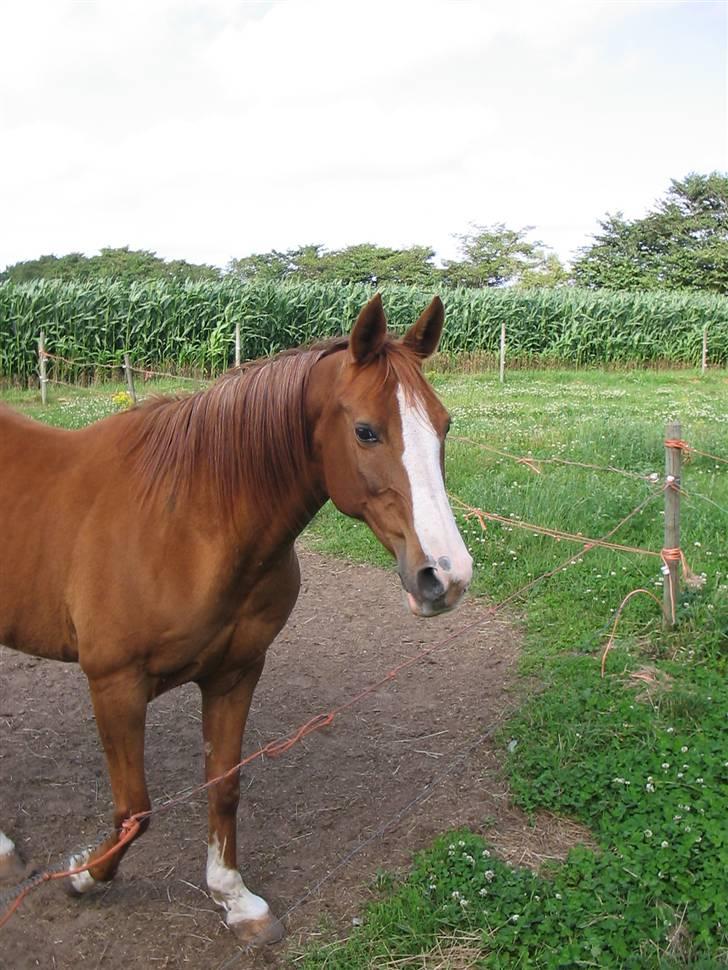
(258, 932)
(12, 869)
(82, 882)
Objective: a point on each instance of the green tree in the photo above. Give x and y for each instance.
(261, 267)
(681, 245)
(367, 263)
(363, 263)
(496, 256)
(143, 264)
(550, 272)
(70, 267)
(119, 263)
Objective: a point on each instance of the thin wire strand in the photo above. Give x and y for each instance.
(480, 515)
(136, 370)
(391, 823)
(532, 462)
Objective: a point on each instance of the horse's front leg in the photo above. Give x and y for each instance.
(120, 704)
(225, 707)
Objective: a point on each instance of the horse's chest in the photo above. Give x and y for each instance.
(236, 633)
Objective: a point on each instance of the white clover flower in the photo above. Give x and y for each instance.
(684, 749)
(483, 891)
(664, 844)
(649, 786)
(699, 781)
(515, 918)
(464, 903)
(665, 765)
(557, 895)
(648, 833)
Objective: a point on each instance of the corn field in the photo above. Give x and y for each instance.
(190, 326)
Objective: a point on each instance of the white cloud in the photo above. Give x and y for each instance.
(206, 130)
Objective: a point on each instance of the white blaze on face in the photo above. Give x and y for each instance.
(229, 891)
(434, 522)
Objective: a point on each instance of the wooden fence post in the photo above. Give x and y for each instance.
(42, 369)
(503, 352)
(704, 360)
(671, 563)
(237, 343)
(129, 378)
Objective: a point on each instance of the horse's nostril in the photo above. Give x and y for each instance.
(429, 586)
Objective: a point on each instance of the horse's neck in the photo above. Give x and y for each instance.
(305, 493)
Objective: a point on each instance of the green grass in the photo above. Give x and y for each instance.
(634, 903)
(646, 770)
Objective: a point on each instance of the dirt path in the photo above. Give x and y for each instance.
(300, 815)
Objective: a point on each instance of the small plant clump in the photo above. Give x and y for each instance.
(122, 400)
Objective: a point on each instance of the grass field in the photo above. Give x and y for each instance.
(643, 762)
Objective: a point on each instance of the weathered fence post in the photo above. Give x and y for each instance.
(503, 352)
(42, 365)
(129, 374)
(704, 360)
(237, 343)
(671, 550)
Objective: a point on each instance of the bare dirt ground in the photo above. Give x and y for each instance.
(300, 814)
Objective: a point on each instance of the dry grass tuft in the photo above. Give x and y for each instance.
(462, 951)
(654, 682)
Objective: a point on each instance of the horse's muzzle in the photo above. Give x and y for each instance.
(433, 589)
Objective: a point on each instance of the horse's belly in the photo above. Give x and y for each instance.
(26, 641)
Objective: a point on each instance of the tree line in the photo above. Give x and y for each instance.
(681, 244)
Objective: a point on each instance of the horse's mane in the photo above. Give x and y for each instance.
(248, 431)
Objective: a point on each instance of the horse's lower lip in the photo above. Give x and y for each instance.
(425, 609)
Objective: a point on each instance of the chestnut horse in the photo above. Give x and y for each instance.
(155, 547)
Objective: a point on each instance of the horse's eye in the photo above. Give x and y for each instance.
(365, 433)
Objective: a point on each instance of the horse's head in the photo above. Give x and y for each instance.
(380, 438)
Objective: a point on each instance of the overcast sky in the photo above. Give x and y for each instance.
(210, 129)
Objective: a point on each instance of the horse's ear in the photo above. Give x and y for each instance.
(369, 331)
(424, 336)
